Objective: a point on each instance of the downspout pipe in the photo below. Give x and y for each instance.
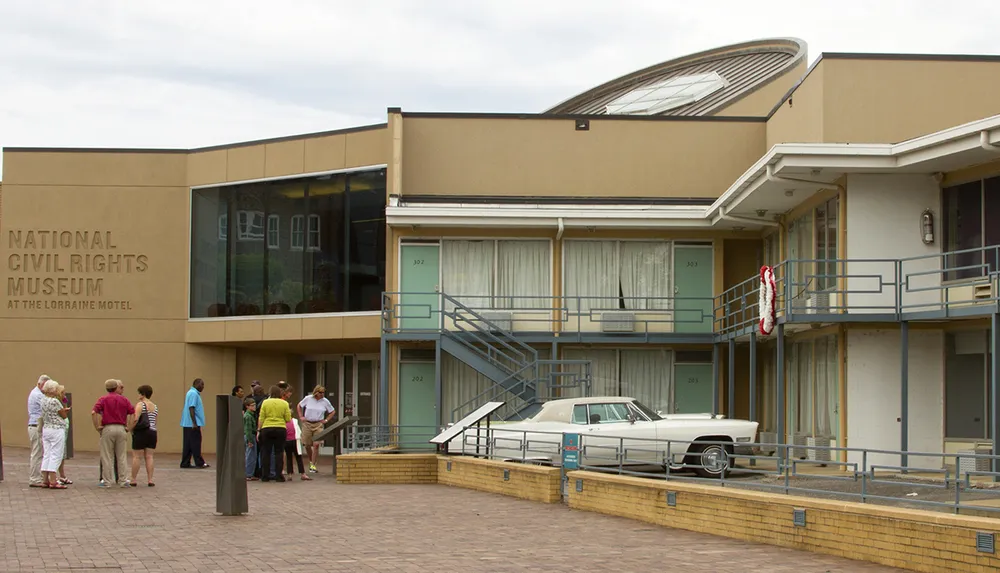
(561, 227)
(984, 142)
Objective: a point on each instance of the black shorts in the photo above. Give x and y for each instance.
(144, 440)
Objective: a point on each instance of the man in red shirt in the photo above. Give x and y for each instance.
(111, 414)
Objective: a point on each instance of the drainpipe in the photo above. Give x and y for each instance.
(984, 142)
(559, 233)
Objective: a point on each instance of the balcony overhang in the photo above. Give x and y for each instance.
(782, 179)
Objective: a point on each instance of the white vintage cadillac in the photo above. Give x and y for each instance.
(608, 426)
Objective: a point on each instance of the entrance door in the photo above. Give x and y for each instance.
(692, 388)
(417, 405)
(326, 373)
(419, 267)
(694, 306)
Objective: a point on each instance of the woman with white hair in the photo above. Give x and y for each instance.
(54, 425)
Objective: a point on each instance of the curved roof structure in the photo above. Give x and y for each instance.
(695, 85)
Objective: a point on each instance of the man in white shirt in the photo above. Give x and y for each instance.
(35, 432)
(314, 412)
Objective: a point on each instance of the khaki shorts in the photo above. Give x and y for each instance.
(308, 429)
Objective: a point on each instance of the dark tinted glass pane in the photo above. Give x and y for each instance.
(286, 204)
(963, 223)
(209, 240)
(366, 254)
(992, 220)
(323, 240)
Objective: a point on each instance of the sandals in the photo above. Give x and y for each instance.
(65, 481)
(57, 485)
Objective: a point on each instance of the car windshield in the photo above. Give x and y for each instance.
(645, 410)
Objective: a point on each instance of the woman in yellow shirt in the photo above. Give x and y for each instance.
(274, 413)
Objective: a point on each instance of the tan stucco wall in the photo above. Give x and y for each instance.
(886, 101)
(761, 101)
(799, 119)
(548, 157)
(358, 148)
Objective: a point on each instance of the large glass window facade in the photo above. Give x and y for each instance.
(291, 246)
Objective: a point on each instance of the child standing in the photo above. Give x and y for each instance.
(250, 436)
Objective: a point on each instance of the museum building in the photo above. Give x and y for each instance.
(609, 245)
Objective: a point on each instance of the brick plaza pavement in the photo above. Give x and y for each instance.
(325, 526)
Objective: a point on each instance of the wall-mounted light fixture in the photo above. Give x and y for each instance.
(927, 227)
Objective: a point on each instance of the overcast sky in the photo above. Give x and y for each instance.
(190, 73)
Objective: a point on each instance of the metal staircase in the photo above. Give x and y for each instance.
(520, 378)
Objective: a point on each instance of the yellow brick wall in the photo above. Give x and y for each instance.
(536, 483)
(909, 539)
(387, 468)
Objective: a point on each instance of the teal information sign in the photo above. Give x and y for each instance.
(571, 451)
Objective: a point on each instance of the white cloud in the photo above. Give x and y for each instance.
(188, 73)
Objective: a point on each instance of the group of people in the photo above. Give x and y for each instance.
(270, 430)
(268, 424)
(114, 418)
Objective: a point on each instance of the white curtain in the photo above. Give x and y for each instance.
(769, 405)
(592, 274)
(603, 371)
(467, 272)
(827, 387)
(524, 273)
(645, 376)
(645, 275)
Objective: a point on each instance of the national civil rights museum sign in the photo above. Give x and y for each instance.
(59, 269)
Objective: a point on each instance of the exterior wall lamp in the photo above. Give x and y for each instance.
(927, 227)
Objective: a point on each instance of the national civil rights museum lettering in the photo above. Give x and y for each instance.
(66, 270)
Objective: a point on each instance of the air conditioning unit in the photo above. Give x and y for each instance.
(817, 303)
(618, 322)
(982, 291)
(818, 455)
(498, 320)
(966, 465)
(767, 442)
(799, 453)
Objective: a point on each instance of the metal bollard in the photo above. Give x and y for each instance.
(230, 448)
(1, 452)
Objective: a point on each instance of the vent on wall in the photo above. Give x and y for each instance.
(799, 517)
(617, 322)
(985, 542)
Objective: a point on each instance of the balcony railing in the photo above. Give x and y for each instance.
(567, 315)
(818, 290)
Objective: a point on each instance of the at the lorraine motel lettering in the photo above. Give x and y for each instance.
(66, 270)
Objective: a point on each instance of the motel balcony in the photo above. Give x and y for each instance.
(946, 286)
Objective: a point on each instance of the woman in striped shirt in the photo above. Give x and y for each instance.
(144, 439)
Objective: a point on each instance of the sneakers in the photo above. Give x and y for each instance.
(312, 468)
(124, 484)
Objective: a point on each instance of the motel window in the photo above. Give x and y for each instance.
(971, 225)
(462, 388)
(811, 250)
(603, 275)
(645, 374)
(498, 274)
(330, 257)
(273, 231)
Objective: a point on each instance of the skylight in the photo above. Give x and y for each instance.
(668, 94)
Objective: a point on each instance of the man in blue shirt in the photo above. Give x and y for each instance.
(192, 420)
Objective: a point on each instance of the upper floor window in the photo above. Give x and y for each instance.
(811, 249)
(605, 275)
(250, 225)
(485, 274)
(971, 224)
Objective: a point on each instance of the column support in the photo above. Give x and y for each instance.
(780, 393)
(437, 384)
(995, 392)
(383, 382)
(716, 367)
(904, 393)
(753, 376)
(731, 410)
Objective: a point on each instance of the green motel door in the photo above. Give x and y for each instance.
(692, 388)
(419, 267)
(417, 405)
(693, 305)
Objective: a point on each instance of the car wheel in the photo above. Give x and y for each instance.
(713, 457)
